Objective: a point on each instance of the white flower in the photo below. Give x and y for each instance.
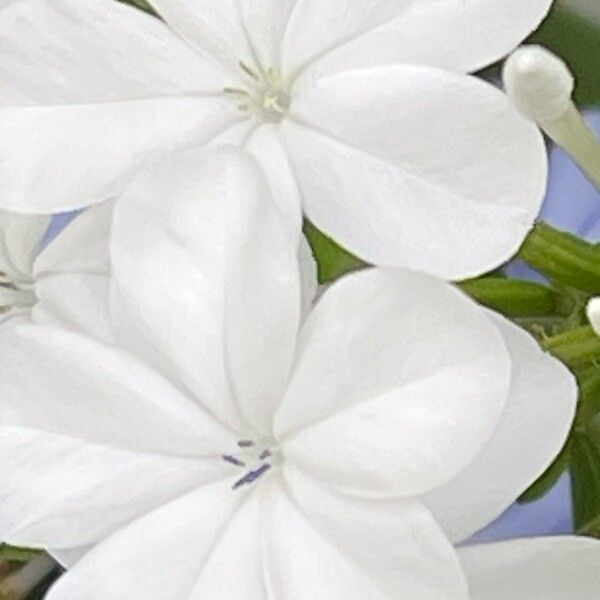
(562, 568)
(67, 282)
(361, 111)
(239, 450)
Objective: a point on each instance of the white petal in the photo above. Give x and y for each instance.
(214, 27)
(90, 91)
(266, 146)
(399, 383)
(266, 22)
(76, 301)
(208, 284)
(67, 557)
(61, 492)
(414, 166)
(64, 157)
(310, 284)
(533, 428)
(57, 52)
(564, 568)
(97, 393)
(159, 556)
(20, 239)
(396, 542)
(455, 34)
(270, 550)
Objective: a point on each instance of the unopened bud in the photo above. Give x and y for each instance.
(539, 83)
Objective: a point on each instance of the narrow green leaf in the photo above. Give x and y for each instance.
(515, 298)
(563, 258)
(332, 260)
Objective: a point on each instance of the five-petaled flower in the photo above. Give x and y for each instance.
(361, 111)
(227, 444)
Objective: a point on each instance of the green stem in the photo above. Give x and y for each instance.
(518, 299)
(576, 348)
(563, 258)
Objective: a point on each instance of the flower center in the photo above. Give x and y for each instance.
(263, 93)
(15, 295)
(254, 459)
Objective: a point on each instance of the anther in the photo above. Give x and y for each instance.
(251, 476)
(249, 71)
(232, 460)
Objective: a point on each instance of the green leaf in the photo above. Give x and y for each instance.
(515, 298)
(585, 476)
(563, 258)
(14, 554)
(332, 260)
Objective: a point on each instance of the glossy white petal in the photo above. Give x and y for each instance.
(60, 491)
(213, 27)
(20, 239)
(208, 282)
(401, 164)
(91, 91)
(532, 430)
(159, 556)
(69, 156)
(67, 557)
(57, 52)
(271, 550)
(398, 385)
(459, 35)
(266, 22)
(396, 542)
(564, 568)
(77, 301)
(97, 393)
(266, 146)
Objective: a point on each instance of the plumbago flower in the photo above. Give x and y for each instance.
(361, 112)
(229, 446)
(67, 282)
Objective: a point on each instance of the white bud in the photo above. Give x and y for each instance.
(593, 314)
(539, 83)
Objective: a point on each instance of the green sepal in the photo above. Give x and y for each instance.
(332, 260)
(563, 258)
(515, 298)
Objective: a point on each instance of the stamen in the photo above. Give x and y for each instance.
(251, 476)
(249, 71)
(245, 444)
(236, 91)
(265, 454)
(232, 460)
